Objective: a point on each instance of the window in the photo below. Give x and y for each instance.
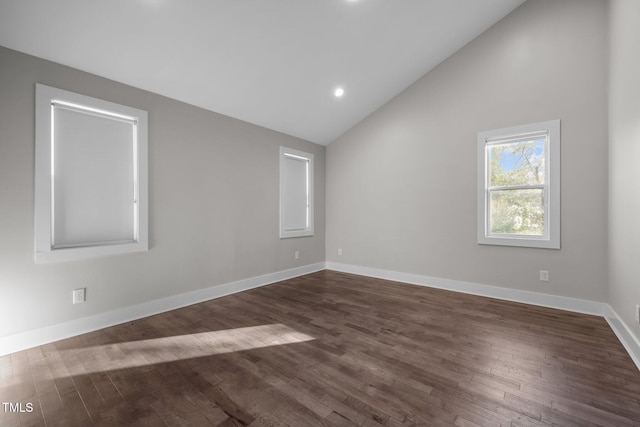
(519, 186)
(296, 193)
(91, 177)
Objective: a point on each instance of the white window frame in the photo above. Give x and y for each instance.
(551, 187)
(285, 230)
(47, 100)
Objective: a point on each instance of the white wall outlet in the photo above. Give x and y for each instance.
(79, 295)
(544, 275)
(340, 251)
(637, 313)
(297, 255)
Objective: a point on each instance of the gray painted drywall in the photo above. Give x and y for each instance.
(624, 156)
(213, 203)
(402, 183)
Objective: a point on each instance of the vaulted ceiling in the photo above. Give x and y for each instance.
(274, 63)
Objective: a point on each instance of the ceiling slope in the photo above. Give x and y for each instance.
(273, 63)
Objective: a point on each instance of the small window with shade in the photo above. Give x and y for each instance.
(296, 193)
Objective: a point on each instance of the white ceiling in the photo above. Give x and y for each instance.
(274, 63)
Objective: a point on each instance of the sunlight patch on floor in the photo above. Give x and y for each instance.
(135, 354)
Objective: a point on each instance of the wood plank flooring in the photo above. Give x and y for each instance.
(332, 349)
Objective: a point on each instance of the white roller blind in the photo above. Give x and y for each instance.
(295, 193)
(91, 173)
(93, 192)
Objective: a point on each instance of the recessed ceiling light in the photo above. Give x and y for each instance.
(338, 92)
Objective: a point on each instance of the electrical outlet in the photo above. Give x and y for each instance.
(544, 276)
(79, 295)
(297, 255)
(637, 313)
(340, 252)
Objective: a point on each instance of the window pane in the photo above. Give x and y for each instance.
(517, 163)
(517, 212)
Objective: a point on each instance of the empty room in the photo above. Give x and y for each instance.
(319, 213)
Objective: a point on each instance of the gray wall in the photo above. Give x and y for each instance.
(213, 198)
(402, 183)
(624, 157)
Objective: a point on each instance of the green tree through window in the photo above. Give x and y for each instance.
(518, 201)
(516, 187)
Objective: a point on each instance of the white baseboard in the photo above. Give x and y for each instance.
(622, 331)
(624, 334)
(24, 340)
(21, 341)
(515, 295)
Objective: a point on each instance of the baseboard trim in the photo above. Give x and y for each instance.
(624, 334)
(515, 295)
(33, 338)
(622, 331)
(24, 340)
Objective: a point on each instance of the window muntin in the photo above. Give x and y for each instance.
(518, 179)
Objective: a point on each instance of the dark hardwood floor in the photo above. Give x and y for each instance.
(332, 349)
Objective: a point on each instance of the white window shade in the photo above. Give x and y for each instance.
(296, 193)
(94, 179)
(91, 177)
